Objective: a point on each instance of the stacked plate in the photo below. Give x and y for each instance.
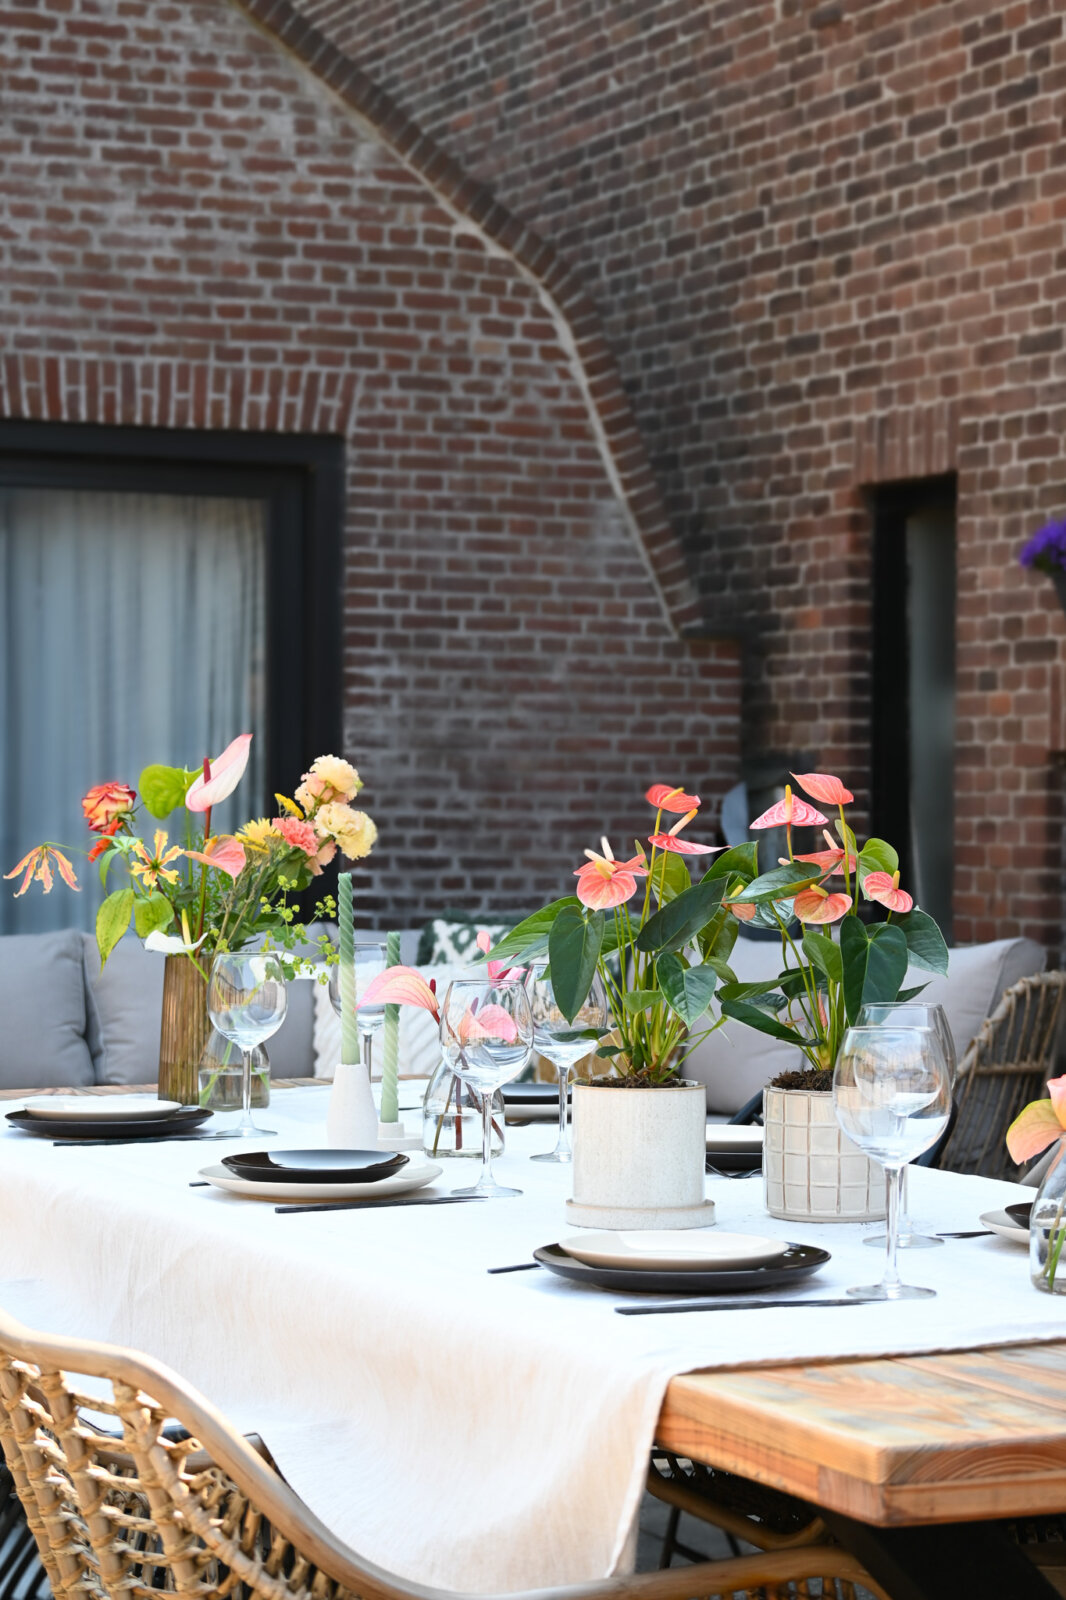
(733, 1147)
(296, 1175)
(685, 1261)
(1010, 1223)
(122, 1117)
(531, 1102)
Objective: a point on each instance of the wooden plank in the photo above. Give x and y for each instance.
(916, 1440)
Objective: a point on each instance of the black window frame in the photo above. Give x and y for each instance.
(301, 479)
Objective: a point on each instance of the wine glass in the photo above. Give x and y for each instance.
(486, 1036)
(371, 959)
(246, 1002)
(892, 1097)
(910, 1014)
(553, 1037)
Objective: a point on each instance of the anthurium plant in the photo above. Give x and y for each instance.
(1039, 1124)
(659, 940)
(834, 960)
(209, 892)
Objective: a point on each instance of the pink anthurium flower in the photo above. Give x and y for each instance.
(1040, 1124)
(401, 986)
(743, 912)
(489, 1021)
(663, 798)
(886, 891)
(682, 847)
(220, 777)
(824, 787)
(828, 859)
(606, 882)
(814, 905)
(499, 971)
(789, 813)
(225, 853)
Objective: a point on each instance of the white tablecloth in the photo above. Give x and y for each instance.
(468, 1431)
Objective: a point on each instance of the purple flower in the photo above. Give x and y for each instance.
(1046, 550)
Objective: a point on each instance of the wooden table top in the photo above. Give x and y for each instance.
(903, 1440)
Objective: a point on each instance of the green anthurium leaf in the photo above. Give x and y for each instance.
(112, 920)
(847, 838)
(742, 859)
(823, 952)
(912, 993)
(771, 914)
(782, 883)
(577, 1036)
(573, 950)
(752, 1017)
(723, 969)
(529, 939)
(152, 915)
(689, 990)
(874, 961)
(793, 984)
(877, 856)
(924, 941)
(163, 789)
(609, 1050)
(674, 925)
(719, 936)
(671, 877)
(766, 996)
(638, 1000)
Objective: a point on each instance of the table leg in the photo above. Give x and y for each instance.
(975, 1559)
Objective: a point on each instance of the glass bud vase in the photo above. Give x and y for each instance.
(221, 1075)
(1047, 1229)
(451, 1117)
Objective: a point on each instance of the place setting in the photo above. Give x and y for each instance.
(323, 1180)
(107, 1119)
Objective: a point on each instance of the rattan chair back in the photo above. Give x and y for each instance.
(1008, 1064)
(123, 1504)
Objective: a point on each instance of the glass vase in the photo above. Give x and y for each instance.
(221, 1075)
(451, 1117)
(1047, 1229)
(183, 1032)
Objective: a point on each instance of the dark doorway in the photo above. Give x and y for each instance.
(913, 678)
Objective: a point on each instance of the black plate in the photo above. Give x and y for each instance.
(175, 1122)
(315, 1166)
(1020, 1213)
(734, 1161)
(799, 1261)
(530, 1094)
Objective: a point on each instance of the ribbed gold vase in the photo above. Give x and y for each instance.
(183, 1032)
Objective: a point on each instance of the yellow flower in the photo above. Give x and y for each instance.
(353, 830)
(150, 868)
(37, 864)
(258, 834)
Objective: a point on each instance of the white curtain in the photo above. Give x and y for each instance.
(133, 632)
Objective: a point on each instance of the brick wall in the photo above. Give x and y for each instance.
(196, 232)
(826, 244)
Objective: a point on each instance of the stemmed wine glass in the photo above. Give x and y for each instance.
(486, 1037)
(246, 1002)
(910, 1014)
(553, 1037)
(892, 1097)
(371, 959)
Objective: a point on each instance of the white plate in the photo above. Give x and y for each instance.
(100, 1108)
(674, 1249)
(413, 1176)
(733, 1136)
(1005, 1226)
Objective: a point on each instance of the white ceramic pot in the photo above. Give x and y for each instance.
(811, 1171)
(639, 1157)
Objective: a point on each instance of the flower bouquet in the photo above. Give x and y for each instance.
(1040, 1124)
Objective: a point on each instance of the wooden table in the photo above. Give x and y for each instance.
(925, 1445)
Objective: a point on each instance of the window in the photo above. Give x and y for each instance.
(160, 592)
(913, 710)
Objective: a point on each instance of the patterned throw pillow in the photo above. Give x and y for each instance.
(453, 938)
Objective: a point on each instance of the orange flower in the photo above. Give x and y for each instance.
(38, 864)
(789, 813)
(829, 859)
(814, 905)
(106, 804)
(152, 865)
(664, 798)
(225, 853)
(606, 882)
(682, 847)
(1040, 1124)
(886, 891)
(824, 787)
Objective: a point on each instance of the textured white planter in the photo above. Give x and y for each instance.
(811, 1171)
(639, 1157)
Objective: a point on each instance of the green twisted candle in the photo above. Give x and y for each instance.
(390, 1104)
(346, 971)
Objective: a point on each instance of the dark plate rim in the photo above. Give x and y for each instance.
(58, 1127)
(628, 1280)
(1020, 1205)
(244, 1165)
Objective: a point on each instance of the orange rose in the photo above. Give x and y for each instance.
(106, 804)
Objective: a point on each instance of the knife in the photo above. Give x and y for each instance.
(164, 1138)
(667, 1307)
(378, 1205)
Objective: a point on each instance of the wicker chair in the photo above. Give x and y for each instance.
(1007, 1064)
(122, 1504)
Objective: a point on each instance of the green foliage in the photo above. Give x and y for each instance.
(689, 990)
(162, 789)
(742, 1011)
(679, 922)
(874, 962)
(112, 920)
(638, 1000)
(529, 939)
(925, 942)
(668, 885)
(877, 856)
(152, 914)
(742, 860)
(823, 952)
(781, 883)
(573, 950)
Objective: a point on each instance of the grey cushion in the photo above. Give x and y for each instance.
(124, 1004)
(42, 1012)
